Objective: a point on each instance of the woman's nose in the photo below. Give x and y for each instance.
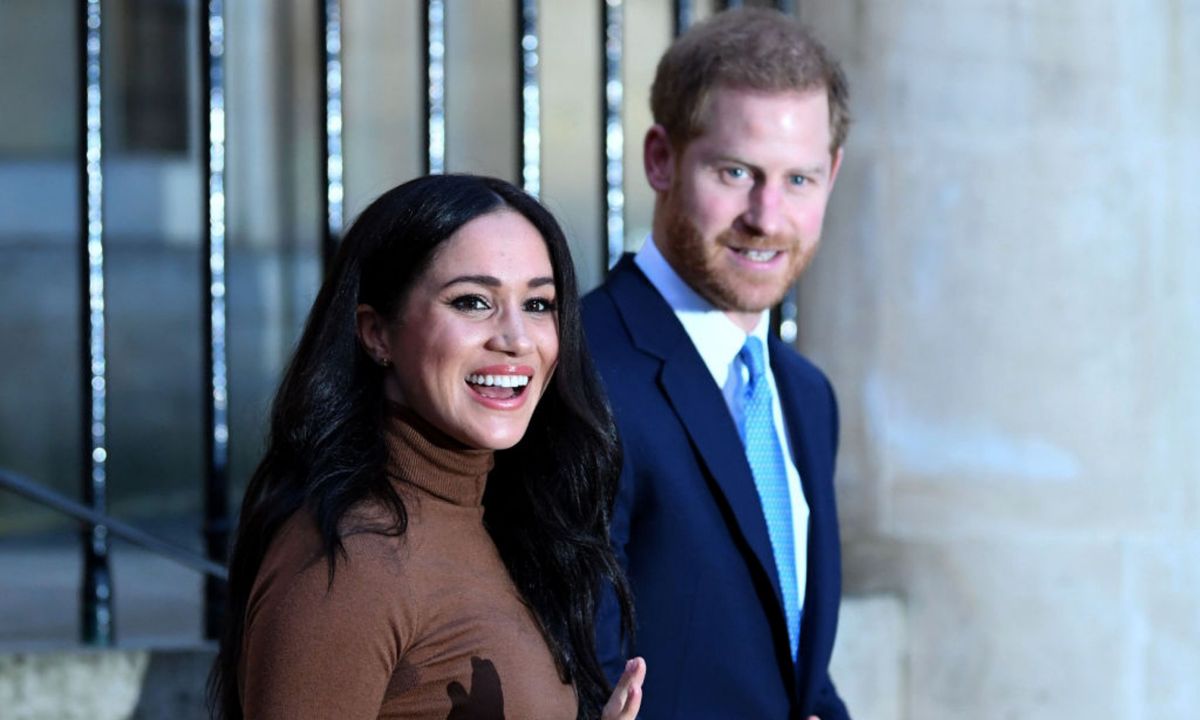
(510, 336)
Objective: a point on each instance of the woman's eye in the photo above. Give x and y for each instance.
(540, 305)
(469, 303)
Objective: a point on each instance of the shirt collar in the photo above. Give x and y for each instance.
(717, 338)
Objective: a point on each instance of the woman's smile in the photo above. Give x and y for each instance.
(501, 387)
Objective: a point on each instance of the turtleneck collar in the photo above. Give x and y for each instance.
(423, 456)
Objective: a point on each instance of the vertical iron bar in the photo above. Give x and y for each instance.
(529, 108)
(786, 323)
(684, 14)
(614, 136)
(730, 4)
(97, 592)
(435, 86)
(216, 502)
(330, 73)
(786, 318)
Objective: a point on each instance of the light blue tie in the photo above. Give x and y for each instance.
(770, 478)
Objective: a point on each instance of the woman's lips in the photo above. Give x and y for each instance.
(500, 387)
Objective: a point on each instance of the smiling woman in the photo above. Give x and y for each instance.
(427, 533)
(478, 330)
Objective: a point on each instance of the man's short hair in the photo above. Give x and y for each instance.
(745, 49)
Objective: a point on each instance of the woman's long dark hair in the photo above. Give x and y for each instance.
(548, 498)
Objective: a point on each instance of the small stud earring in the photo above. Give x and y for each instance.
(384, 362)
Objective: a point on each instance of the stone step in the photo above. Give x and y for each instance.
(119, 684)
(156, 602)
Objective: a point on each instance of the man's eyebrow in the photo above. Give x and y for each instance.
(723, 159)
(494, 282)
(819, 169)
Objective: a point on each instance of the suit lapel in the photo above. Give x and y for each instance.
(794, 401)
(698, 403)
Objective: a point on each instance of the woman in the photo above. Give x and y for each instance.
(427, 532)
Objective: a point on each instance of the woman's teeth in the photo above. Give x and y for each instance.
(511, 381)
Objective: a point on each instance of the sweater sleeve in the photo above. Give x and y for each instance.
(318, 650)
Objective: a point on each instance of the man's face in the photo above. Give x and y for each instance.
(741, 206)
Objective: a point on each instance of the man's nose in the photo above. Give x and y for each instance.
(764, 213)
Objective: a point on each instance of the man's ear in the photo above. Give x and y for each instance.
(658, 156)
(372, 333)
(834, 167)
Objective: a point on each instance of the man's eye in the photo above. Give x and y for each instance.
(735, 173)
(469, 303)
(799, 180)
(540, 305)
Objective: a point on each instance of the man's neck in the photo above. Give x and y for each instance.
(745, 320)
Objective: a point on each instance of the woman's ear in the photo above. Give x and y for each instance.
(372, 334)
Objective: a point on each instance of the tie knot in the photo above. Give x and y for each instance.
(751, 356)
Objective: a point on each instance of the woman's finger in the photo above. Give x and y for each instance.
(626, 697)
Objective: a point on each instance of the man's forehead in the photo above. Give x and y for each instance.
(731, 116)
(774, 112)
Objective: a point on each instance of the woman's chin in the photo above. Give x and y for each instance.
(500, 435)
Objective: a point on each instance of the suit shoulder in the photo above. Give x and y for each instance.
(600, 301)
(597, 304)
(789, 360)
(602, 322)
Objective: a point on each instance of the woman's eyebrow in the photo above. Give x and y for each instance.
(486, 280)
(493, 281)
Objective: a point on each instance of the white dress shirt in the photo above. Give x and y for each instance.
(718, 340)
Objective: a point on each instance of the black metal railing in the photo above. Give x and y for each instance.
(90, 518)
(216, 378)
(434, 34)
(529, 111)
(97, 578)
(98, 526)
(329, 76)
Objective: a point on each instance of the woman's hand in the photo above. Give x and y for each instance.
(626, 698)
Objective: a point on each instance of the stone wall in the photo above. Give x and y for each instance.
(1008, 302)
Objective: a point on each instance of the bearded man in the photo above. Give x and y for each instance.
(725, 518)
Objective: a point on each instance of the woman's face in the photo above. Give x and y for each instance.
(476, 340)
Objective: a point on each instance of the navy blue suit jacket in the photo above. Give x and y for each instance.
(689, 528)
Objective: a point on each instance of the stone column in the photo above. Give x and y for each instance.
(1008, 302)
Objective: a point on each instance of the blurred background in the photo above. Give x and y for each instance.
(1007, 299)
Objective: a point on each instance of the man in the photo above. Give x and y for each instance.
(725, 518)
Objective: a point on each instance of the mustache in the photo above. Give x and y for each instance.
(757, 241)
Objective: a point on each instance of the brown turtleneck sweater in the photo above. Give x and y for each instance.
(424, 625)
